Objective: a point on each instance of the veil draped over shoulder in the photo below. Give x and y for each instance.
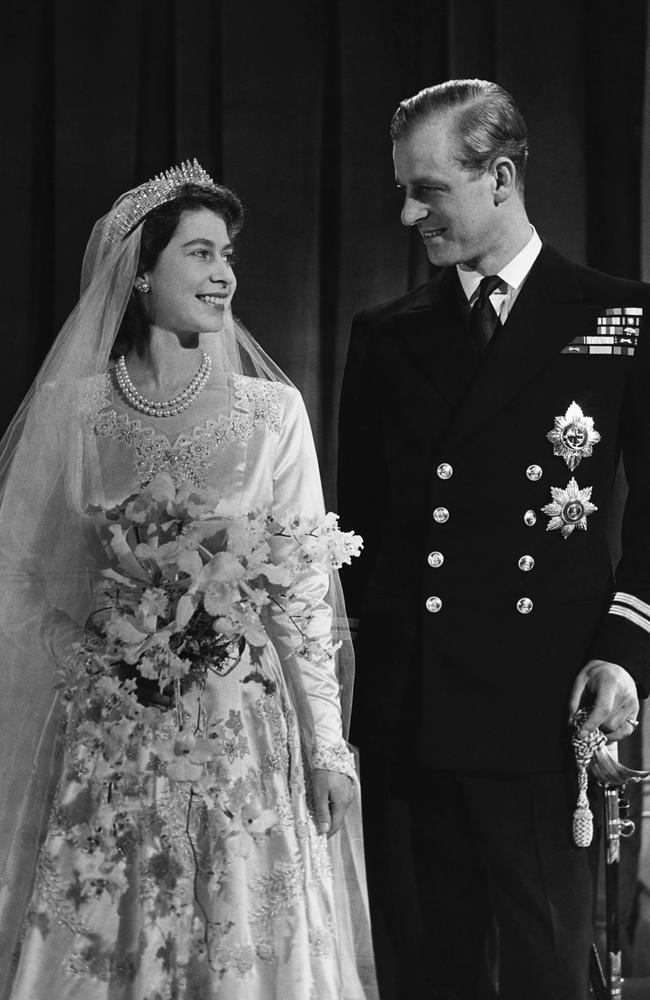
(45, 590)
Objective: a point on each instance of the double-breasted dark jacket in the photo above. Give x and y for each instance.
(477, 607)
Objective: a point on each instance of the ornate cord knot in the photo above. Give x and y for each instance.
(584, 748)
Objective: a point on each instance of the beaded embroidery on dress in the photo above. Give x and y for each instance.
(186, 458)
(256, 917)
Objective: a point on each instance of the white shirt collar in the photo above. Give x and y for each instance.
(513, 273)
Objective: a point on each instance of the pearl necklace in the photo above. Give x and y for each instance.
(164, 408)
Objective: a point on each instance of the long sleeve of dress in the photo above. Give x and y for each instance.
(297, 491)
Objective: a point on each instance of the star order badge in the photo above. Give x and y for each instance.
(570, 508)
(573, 437)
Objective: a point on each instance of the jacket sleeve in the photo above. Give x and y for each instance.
(623, 636)
(361, 462)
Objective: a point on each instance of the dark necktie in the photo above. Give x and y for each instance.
(483, 318)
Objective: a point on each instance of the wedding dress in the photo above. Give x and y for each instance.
(259, 921)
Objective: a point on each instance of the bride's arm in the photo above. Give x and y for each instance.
(297, 491)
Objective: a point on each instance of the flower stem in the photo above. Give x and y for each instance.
(196, 874)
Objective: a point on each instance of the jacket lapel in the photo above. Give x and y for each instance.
(432, 335)
(542, 321)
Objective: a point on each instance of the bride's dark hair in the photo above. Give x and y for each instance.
(157, 230)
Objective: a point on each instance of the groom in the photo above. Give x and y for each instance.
(482, 420)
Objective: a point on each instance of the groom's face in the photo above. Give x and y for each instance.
(453, 208)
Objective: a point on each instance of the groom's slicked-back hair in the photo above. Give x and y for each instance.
(486, 121)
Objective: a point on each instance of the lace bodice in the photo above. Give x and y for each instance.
(258, 405)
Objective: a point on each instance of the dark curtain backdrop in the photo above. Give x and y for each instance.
(289, 103)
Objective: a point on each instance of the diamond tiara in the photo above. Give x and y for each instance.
(164, 187)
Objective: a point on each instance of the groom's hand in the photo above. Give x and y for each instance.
(332, 796)
(611, 698)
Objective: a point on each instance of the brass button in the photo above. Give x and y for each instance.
(435, 559)
(524, 605)
(534, 472)
(526, 563)
(530, 518)
(444, 471)
(434, 604)
(440, 515)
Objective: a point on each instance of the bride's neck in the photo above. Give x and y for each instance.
(167, 360)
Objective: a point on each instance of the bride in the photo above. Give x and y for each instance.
(255, 890)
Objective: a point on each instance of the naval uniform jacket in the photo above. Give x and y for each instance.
(474, 618)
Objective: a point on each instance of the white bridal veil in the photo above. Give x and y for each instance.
(45, 577)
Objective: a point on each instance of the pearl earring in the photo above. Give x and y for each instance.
(142, 285)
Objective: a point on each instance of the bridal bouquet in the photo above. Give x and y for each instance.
(186, 591)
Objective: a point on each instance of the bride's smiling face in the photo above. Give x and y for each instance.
(192, 280)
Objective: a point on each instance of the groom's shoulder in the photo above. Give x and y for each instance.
(381, 315)
(594, 286)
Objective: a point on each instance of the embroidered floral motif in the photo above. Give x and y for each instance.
(320, 941)
(335, 757)
(265, 950)
(52, 898)
(227, 738)
(286, 815)
(104, 964)
(240, 958)
(302, 830)
(234, 722)
(235, 747)
(268, 709)
(186, 459)
(264, 398)
(273, 762)
(94, 395)
(278, 891)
